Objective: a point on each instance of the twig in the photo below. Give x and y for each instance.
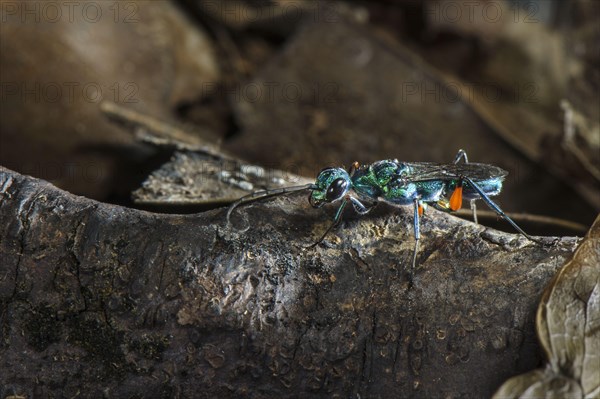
(155, 131)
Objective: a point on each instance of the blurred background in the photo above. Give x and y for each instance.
(300, 85)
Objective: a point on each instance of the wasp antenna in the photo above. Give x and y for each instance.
(259, 195)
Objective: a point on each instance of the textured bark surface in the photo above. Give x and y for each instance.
(99, 300)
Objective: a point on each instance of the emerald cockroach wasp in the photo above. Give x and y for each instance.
(416, 184)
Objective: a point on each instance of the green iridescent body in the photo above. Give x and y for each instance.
(444, 186)
(402, 183)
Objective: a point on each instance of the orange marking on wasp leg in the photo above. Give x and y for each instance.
(456, 198)
(421, 210)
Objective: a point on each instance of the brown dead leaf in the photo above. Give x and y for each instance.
(568, 326)
(145, 55)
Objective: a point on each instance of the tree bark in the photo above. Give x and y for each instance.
(96, 299)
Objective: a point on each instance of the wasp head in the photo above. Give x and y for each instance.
(331, 185)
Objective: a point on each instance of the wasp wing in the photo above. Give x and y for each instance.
(420, 171)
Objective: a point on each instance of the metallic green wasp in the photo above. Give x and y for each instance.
(443, 186)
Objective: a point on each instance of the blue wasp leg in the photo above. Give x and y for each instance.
(474, 210)
(462, 154)
(361, 208)
(417, 234)
(499, 211)
(336, 220)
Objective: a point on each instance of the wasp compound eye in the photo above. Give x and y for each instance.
(336, 189)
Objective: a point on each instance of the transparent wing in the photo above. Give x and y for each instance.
(420, 171)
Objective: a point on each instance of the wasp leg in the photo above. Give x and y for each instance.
(461, 155)
(499, 211)
(417, 234)
(361, 208)
(474, 210)
(336, 220)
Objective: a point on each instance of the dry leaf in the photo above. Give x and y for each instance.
(568, 325)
